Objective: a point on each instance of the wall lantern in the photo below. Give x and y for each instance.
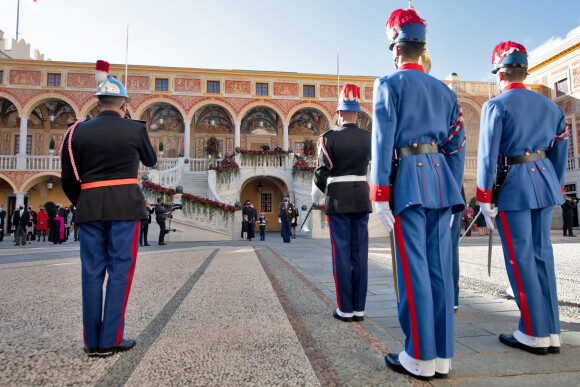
(260, 186)
(50, 184)
(51, 116)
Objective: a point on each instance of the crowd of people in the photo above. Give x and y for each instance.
(27, 225)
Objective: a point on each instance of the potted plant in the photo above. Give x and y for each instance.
(161, 149)
(51, 147)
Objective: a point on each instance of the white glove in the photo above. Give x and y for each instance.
(279, 220)
(385, 214)
(318, 197)
(489, 211)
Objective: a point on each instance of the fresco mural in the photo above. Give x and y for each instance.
(8, 114)
(163, 118)
(213, 119)
(365, 122)
(307, 122)
(261, 120)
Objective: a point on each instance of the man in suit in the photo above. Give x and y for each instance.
(145, 225)
(524, 137)
(418, 139)
(2, 222)
(340, 184)
(20, 220)
(160, 211)
(100, 160)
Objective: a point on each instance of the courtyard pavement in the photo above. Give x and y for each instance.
(260, 314)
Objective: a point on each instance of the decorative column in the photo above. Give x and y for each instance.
(186, 140)
(20, 198)
(285, 137)
(21, 156)
(237, 126)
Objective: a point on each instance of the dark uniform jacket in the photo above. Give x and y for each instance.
(286, 211)
(349, 149)
(107, 148)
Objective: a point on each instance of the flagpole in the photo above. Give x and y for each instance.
(17, 18)
(127, 58)
(338, 73)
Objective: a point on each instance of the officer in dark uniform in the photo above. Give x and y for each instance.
(340, 183)
(285, 217)
(100, 159)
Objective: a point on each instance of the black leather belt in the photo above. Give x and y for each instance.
(416, 149)
(525, 158)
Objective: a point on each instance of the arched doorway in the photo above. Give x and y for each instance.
(365, 122)
(260, 126)
(265, 193)
(47, 121)
(9, 125)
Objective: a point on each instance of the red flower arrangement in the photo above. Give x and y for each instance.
(207, 206)
(153, 188)
(211, 147)
(309, 147)
(302, 169)
(227, 170)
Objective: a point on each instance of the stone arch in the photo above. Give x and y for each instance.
(9, 182)
(260, 103)
(150, 102)
(296, 121)
(35, 179)
(275, 186)
(39, 99)
(206, 102)
(308, 105)
(13, 100)
(471, 116)
(89, 106)
(268, 118)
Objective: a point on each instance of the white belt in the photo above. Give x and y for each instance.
(342, 179)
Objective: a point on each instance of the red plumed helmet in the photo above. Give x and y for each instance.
(509, 54)
(415, 30)
(349, 98)
(101, 71)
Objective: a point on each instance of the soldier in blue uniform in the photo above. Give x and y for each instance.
(417, 148)
(523, 138)
(100, 159)
(340, 183)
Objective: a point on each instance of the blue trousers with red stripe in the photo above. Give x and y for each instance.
(424, 268)
(350, 253)
(529, 260)
(107, 247)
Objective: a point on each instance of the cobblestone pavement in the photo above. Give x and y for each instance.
(259, 313)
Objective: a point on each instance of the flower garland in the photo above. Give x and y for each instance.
(211, 148)
(322, 212)
(309, 147)
(207, 206)
(153, 189)
(227, 170)
(261, 155)
(302, 169)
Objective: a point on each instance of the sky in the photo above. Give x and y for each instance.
(294, 36)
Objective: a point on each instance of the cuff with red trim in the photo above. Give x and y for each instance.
(379, 193)
(483, 195)
(562, 188)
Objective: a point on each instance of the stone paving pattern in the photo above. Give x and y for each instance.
(259, 313)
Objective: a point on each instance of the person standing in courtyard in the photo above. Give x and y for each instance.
(100, 160)
(285, 212)
(340, 184)
(262, 222)
(418, 157)
(20, 219)
(42, 223)
(2, 222)
(57, 218)
(524, 137)
(568, 209)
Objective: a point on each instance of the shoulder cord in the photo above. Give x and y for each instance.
(562, 136)
(320, 144)
(69, 133)
(457, 124)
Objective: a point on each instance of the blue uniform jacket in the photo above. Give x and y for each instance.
(411, 107)
(513, 123)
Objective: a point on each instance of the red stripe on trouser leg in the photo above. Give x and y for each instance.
(408, 286)
(521, 294)
(134, 248)
(333, 262)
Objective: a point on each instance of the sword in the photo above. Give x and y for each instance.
(305, 219)
(394, 263)
(489, 247)
(471, 225)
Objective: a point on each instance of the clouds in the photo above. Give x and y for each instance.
(553, 43)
